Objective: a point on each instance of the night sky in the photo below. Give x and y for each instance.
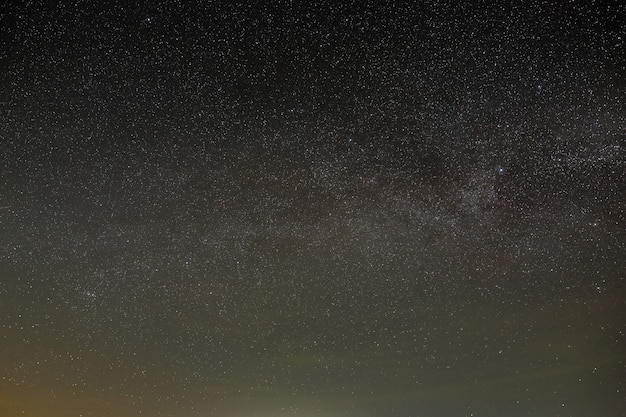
(318, 209)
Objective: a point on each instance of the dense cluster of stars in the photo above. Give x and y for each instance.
(355, 208)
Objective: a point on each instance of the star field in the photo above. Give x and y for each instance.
(312, 209)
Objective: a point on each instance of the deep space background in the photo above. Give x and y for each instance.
(325, 208)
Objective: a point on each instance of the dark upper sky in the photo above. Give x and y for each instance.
(312, 209)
